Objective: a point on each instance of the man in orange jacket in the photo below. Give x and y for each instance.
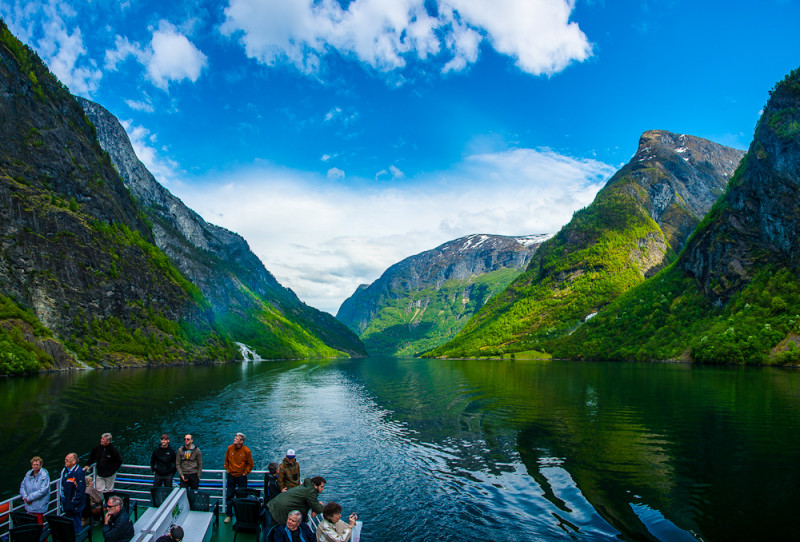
(238, 464)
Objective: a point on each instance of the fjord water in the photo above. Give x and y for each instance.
(455, 450)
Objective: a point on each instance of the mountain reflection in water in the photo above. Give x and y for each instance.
(454, 450)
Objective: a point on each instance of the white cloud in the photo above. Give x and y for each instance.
(174, 57)
(385, 34)
(165, 171)
(169, 57)
(60, 47)
(140, 105)
(335, 173)
(323, 237)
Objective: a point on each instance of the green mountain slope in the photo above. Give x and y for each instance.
(247, 301)
(734, 295)
(636, 225)
(424, 300)
(82, 278)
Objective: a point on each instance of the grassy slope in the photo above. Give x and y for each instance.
(423, 319)
(587, 265)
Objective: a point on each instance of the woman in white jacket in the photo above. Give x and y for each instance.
(332, 528)
(35, 490)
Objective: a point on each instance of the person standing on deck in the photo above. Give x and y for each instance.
(189, 463)
(162, 463)
(35, 490)
(289, 472)
(108, 462)
(238, 464)
(73, 490)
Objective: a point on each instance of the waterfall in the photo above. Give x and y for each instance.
(248, 354)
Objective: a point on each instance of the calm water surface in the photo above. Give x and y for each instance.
(455, 450)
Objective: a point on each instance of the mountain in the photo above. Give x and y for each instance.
(81, 277)
(424, 300)
(245, 298)
(635, 227)
(733, 296)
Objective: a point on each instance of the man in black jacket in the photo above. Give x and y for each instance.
(118, 525)
(108, 462)
(162, 463)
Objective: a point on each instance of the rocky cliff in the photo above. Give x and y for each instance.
(82, 279)
(636, 226)
(758, 222)
(78, 259)
(423, 301)
(733, 296)
(235, 282)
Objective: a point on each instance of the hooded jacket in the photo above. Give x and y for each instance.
(37, 489)
(288, 474)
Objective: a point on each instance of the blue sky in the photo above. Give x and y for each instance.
(339, 137)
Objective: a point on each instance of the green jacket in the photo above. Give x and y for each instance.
(298, 498)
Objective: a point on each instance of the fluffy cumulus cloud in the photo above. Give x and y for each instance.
(169, 57)
(323, 238)
(384, 34)
(50, 28)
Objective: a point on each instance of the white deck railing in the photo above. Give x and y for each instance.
(135, 480)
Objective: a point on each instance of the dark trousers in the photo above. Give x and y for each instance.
(232, 483)
(192, 481)
(75, 516)
(162, 480)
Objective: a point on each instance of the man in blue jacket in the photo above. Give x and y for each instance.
(73, 490)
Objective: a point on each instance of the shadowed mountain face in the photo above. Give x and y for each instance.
(116, 279)
(77, 254)
(422, 301)
(759, 220)
(635, 227)
(733, 295)
(234, 281)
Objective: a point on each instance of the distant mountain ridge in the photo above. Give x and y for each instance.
(636, 226)
(423, 300)
(239, 288)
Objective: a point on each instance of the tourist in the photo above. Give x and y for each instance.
(238, 464)
(175, 534)
(35, 490)
(332, 528)
(162, 463)
(301, 498)
(271, 488)
(294, 530)
(118, 526)
(189, 463)
(73, 490)
(289, 472)
(108, 462)
(93, 510)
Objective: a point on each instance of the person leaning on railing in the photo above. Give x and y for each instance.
(35, 490)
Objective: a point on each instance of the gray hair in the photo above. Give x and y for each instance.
(74, 456)
(294, 513)
(106, 436)
(114, 501)
(240, 435)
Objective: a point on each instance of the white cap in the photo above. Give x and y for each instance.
(290, 453)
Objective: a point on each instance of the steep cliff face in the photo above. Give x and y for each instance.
(636, 225)
(75, 246)
(734, 294)
(424, 300)
(239, 288)
(758, 222)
